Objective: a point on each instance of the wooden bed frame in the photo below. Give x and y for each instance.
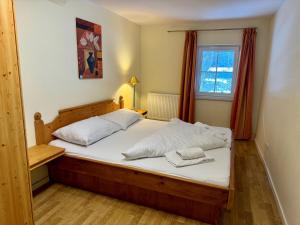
(197, 200)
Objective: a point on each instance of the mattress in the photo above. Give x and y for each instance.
(110, 148)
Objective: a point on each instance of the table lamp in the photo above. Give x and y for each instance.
(133, 81)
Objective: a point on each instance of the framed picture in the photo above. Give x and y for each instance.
(89, 49)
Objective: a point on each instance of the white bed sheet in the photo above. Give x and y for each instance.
(109, 150)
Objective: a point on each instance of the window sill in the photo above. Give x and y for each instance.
(215, 98)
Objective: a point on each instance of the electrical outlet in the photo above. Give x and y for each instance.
(267, 146)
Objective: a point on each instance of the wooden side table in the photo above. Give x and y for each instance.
(142, 111)
(41, 154)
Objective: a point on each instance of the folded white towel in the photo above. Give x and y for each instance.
(177, 161)
(191, 153)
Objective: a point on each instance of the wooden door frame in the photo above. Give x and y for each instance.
(15, 185)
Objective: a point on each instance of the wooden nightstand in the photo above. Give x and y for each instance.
(142, 111)
(41, 154)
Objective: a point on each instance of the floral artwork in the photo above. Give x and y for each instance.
(89, 49)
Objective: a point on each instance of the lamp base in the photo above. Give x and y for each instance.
(134, 97)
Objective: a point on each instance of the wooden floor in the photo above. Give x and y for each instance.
(254, 202)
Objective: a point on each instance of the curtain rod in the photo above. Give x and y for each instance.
(216, 29)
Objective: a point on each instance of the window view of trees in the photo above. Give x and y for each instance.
(217, 71)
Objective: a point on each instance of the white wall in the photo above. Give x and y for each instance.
(48, 56)
(48, 59)
(161, 55)
(279, 121)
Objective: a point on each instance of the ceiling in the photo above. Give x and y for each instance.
(171, 11)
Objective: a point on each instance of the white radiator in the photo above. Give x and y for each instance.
(162, 106)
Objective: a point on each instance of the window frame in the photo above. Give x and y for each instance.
(216, 96)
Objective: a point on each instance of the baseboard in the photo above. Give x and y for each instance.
(277, 200)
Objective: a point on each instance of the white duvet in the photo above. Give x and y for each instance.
(176, 135)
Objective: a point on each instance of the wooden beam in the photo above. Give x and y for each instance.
(15, 189)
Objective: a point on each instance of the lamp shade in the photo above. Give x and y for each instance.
(133, 80)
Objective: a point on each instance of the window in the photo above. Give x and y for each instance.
(216, 72)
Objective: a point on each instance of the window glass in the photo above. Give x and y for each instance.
(217, 70)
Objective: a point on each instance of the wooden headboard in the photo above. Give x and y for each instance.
(43, 132)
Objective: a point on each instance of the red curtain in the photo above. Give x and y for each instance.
(188, 77)
(241, 111)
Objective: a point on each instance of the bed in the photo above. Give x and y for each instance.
(199, 191)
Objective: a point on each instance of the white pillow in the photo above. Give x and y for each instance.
(86, 132)
(218, 132)
(208, 142)
(122, 117)
(202, 125)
